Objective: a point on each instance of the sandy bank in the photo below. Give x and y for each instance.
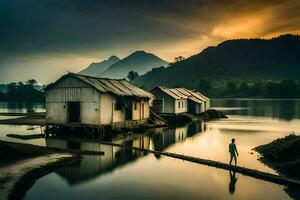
(27, 120)
(22, 164)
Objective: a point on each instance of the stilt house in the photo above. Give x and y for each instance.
(179, 100)
(83, 100)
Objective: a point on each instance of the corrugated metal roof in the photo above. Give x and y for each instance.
(118, 87)
(173, 93)
(204, 97)
(183, 93)
(189, 93)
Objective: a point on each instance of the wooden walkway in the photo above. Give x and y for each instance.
(242, 170)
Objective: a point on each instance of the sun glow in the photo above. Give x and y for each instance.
(243, 27)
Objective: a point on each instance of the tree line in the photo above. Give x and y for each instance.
(259, 89)
(247, 59)
(22, 92)
(26, 92)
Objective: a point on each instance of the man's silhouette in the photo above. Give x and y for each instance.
(233, 151)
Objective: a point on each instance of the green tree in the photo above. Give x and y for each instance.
(230, 89)
(132, 75)
(289, 89)
(24, 93)
(244, 90)
(31, 82)
(178, 59)
(11, 87)
(259, 89)
(298, 89)
(204, 86)
(273, 90)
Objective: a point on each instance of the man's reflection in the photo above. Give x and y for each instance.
(232, 182)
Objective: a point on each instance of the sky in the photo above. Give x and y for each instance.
(44, 39)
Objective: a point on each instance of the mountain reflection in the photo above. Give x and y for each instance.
(92, 166)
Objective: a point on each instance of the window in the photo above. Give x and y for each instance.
(185, 104)
(135, 106)
(178, 104)
(182, 104)
(118, 104)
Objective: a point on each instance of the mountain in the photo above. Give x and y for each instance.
(248, 59)
(139, 61)
(97, 68)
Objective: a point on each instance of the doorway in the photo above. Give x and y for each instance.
(158, 105)
(73, 112)
(128, 112)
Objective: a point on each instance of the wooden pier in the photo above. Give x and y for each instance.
(242, 170)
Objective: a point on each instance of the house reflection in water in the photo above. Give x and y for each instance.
(163, 138)
(91, 166)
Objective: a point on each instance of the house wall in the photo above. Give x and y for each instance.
(146, 109)
(194, 107)
(201, 107)
(207, 105)
(139, 113)
(168, 102)
(106, 108)
(67, 90)
(183, 106)
(108, 112)
(118, 115)
(136, 113)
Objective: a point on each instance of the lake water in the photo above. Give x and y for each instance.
(129, 174)
(17, 107)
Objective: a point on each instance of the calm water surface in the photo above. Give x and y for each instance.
(129, 174)
(21, 107)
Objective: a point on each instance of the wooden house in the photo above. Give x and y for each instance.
(169, 100)
(179, 100)
(83, 100)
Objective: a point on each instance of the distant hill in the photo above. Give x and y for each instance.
(97, 68)
(139, 61)
(252, 59)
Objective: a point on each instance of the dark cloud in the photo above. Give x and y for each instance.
(35, 33)
(37, 26)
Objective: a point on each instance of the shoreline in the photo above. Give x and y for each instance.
(282, 155)
(25, 120)
(27, 163)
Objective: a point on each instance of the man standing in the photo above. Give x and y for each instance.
(233, 151)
